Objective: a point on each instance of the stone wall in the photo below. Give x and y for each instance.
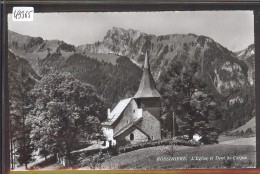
(138, 137)
(150, 125)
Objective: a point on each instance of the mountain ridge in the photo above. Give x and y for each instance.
(227, 76)
(182, 47)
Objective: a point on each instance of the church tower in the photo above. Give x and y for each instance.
(147, 87)
(149, 100)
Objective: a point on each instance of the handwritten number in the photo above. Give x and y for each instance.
(22, 14)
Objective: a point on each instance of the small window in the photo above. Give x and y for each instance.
(139, 104)
(152, 137)
(127, 121)
(131, 136)
(134, 111)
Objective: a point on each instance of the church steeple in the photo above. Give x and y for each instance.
(147, 87)
(146, 61)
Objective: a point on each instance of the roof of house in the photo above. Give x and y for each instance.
(147, 87)
(117, 111)
(128, 126)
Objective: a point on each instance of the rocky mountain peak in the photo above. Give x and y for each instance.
(121, 31)
(122, 37)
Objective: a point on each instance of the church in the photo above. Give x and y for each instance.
(135, 119)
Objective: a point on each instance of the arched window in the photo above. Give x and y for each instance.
(131, 136)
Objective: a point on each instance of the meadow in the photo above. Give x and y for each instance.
(222, 155)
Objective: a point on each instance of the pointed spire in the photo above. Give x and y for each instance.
(146, 61)
(147, 87)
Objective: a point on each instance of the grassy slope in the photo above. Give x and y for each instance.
(147, 158)
(249, 124)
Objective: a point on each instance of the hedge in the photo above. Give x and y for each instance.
(132, 147)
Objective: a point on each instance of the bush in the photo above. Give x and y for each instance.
(242, 133)
(95, 160)
(249, 131)
(129, 148)
(113, 150)
(211, 138)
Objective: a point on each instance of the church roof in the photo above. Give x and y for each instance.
(147, 87)
(128, 126)
(117, 111)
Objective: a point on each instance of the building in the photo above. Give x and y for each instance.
(136, 119)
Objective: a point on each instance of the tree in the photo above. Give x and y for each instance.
(24, 147)
(184, 95)
(65, 111)
(20, 81)
(249, 131)
(19, 134)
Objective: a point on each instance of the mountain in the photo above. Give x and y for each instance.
(109, 73)
(34, 49)
(248, 56)
(21, 77)
(227, 76)
(118, 41)
(220, 67)
(113, 82)
(113, 65)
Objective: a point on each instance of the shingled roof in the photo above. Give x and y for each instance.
(147, 87)
(117, 111)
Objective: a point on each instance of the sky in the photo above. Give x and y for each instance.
(232, 29)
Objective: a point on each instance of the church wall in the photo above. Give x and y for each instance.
(151, 117)
(151, 126)
(129, 114)
(138, 137)
(125, 138)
